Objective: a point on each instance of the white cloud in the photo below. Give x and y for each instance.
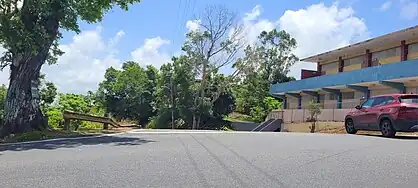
(254, 14)
(149, 53)
(409, 9)
(84, 63)
(317, 29)
(385, 6)
(253, 25)
(193, 25)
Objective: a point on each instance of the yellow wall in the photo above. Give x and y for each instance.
(352, 67)
(412, 55)
(390, 60)
(331, 71)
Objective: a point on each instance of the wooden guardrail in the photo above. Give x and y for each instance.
(69, 115)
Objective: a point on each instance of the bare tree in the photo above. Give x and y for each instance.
(214, 45)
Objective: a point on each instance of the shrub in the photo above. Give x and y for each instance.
(54, 117)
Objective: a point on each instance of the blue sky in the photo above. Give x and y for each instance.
(153, 31)
(167, 19)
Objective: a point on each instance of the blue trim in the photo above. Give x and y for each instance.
(390, 71)
(396, 85)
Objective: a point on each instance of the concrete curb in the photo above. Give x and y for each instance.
(60, 139)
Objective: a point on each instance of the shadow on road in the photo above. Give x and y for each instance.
(72, 143)
(401, 137)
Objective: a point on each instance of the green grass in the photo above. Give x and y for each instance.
(238, 117)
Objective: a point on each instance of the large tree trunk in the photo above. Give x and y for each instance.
(22, 111)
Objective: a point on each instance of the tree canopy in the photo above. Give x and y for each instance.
(30, 31)
(188, 92)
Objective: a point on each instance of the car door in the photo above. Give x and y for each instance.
(361, 114)
(374, 112)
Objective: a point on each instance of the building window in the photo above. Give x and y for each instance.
(329, 66)
(413, 48)
(413, 51)
(354, 61)
(332, 96)
(348, 95)
(377, 56)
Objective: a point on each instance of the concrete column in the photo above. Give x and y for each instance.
(319, 68)
(404, 51)
(368, 58)
(340, 64)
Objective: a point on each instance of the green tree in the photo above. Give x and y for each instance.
(72, 102)
(264, 63)
(314, 110)
(211, 47)
(30, 31)
(129, 93)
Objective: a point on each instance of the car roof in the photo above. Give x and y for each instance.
(394, 95)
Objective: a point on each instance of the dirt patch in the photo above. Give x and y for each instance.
(320, 126)
(333, 128)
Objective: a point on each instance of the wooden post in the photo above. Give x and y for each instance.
(105, 126)
(66, 124)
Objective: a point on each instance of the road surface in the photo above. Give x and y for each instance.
(213, 159)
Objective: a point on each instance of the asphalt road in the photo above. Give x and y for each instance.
(207, 159)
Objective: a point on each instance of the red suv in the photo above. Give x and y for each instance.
(387, 113)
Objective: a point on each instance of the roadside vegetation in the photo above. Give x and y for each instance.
(188, 92)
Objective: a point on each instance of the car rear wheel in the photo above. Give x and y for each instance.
(386, 128)
(349, 126)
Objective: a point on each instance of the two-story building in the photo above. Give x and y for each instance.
(382, 65)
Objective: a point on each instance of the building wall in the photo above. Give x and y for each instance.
(350, 99)
(384, 55)
(306, 99)
(292, 102)
(413, 51)
(353, 63)
(330, 68)
(387, 56)
(383, 91)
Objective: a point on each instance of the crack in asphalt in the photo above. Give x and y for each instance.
(269, 176)
(199, 173)
(223, 165)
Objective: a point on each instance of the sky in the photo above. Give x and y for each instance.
(153, 31)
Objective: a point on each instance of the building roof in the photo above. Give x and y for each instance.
(360, 48)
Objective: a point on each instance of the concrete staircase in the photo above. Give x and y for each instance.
(270, 125)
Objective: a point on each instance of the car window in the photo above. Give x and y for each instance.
(389, 100)
(409, 99)
(378, 101)
(368, 103)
